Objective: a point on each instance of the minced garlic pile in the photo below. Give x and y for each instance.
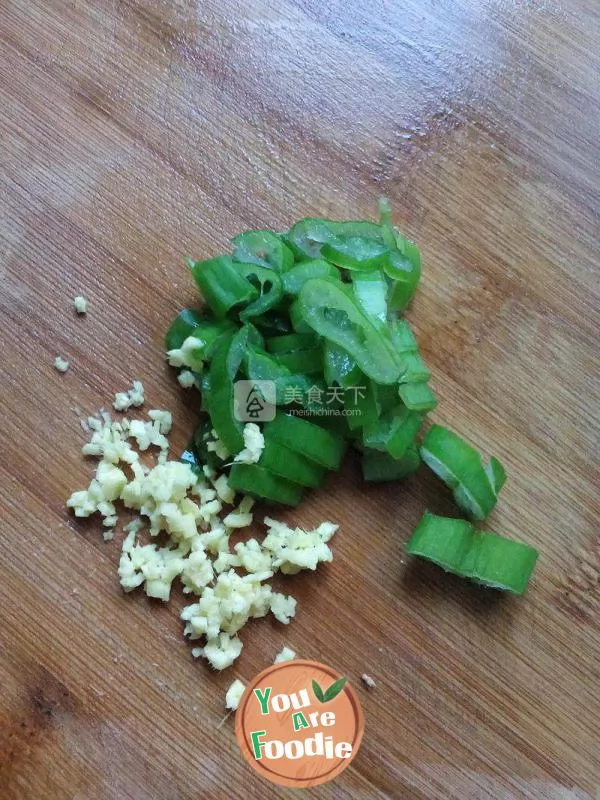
(231, 584)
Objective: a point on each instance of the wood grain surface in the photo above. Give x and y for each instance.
(135, 132)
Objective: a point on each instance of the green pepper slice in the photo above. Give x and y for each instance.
(224, 367)
(291, 342)
(370, 289)
(266, 282)
(460, 466)
(333, 314)
(418, 397)
(295, 279)
(260, 366)
(221, 284)
(340, 367)
(483, 557)
(306, 362)
(378, 467)
(260, 482)
(318, 445)
(286, 463)
(307, 237)
(182, 326)
(360, 402)
(413, 390)
(394, 432)
(264, 248)
(356, 253)
(405, 278)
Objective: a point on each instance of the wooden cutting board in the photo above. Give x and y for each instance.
(134, 133)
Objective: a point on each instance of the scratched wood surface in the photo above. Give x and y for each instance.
(134, 132)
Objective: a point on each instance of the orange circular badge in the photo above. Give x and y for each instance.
(299, 723)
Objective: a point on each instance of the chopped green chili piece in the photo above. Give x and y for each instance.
(331, 313)
(307, 362)
(260, 482)
(418, 397)
(286, 463)
(403, 336)
(313, 442)
(405, 276)
(221, 284)
(416, 371)
(361, 405)
(414, 391)
(273, 322)
(339, 366)
(181, 327)
(370, 289)
(356, 253)
(356, 228)
(295, 279)
(379, 467)
(268, 285)
(327, 295)
(394, 432)
(224, 367)
(260, 366)
(460, 466)
(263, 248)
(483, 557)
(291, 342)
(308, 236)
(496, 474)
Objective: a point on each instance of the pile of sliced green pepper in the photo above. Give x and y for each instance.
(318, 311)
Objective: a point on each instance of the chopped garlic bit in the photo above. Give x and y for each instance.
(297, 549)
(368, 681)
(215, 445)
(61, 364)
(80, 304)
(186, 378)
(221, 651)
(252, 557)
(148, 433)
(188, 355)
(287, 654)
(228, 605)
(164, 419)
(223, 489)
(254, 444)
(283, 607)
(236, 519)
(234, 694)
(132, 397)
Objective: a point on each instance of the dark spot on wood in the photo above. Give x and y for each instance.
(48, 702)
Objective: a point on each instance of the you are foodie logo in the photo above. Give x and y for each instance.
(299, 723)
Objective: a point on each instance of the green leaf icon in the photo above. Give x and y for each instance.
(334, 689)
(318, 692)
